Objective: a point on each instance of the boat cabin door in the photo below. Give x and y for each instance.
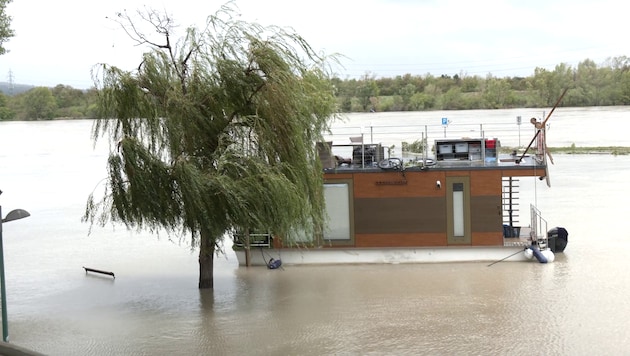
(458, 210)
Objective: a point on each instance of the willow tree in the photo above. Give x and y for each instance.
(214, 133)
(5, 25)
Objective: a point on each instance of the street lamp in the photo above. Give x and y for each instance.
(12, 215)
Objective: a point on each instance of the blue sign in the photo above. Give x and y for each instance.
(444, 121)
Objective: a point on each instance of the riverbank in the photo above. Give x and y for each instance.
(600, 150)
(614, 150)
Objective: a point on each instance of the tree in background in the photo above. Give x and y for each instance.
(214, 134)
(5, 25)
(39, 103)
(496, 93)
(70, 102)
(367, 92)
(5, 112)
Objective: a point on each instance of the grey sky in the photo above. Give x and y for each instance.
(58, 42)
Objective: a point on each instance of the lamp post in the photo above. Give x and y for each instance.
(12, 215)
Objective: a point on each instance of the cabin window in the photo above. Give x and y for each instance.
(337, 196)
(458, 209)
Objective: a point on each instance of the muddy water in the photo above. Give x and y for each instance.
(577, 305)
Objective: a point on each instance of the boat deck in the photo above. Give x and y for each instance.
(524, 239)
(504, 162)
(421, 147)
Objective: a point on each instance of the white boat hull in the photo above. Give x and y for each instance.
(304, 256)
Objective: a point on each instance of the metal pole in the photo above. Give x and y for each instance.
(362, 150)
(518, 122)
(371, 133)
(3, 291)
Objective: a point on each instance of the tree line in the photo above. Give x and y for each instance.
(44, 103)
(589, 85)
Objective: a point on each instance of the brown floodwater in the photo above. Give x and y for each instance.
(577, 305)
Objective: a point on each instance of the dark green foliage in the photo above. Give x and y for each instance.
(5, 26)
(39, 103)
(216, 135)
(590, 85)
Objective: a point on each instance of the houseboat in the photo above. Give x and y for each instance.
(450, 198)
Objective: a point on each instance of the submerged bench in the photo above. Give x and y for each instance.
(87, 269)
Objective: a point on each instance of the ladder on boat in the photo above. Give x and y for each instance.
(509, 197)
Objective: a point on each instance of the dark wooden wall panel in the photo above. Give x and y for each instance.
(399, 215)
(485, 214)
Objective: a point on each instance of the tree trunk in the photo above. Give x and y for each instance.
(206, 261)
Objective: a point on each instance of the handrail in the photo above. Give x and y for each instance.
(538, 225)
(255, 239)
(388, 135)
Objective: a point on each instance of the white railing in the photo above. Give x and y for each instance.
(388, 135)
(391, 137)
(539, 228)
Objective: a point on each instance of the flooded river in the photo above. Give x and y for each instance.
(577, 305)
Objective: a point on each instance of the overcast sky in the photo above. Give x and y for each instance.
(58, 42)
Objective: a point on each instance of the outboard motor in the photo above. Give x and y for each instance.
(557, 238)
